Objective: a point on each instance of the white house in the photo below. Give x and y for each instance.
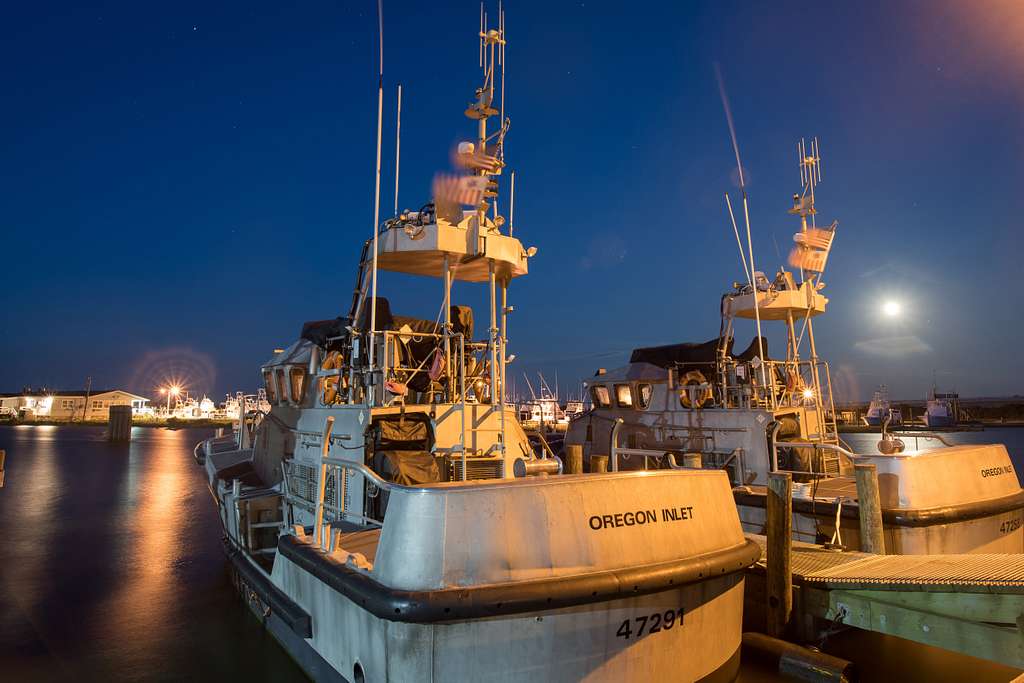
(70, 405)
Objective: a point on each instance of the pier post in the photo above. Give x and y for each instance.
(779, 531)
(598, 463)
(574, 459)
(120, 423)
(3, 458)
(872, 539)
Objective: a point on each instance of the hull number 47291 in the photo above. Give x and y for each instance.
(651, 623)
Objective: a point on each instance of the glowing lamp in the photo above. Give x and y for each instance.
(808, 394)
(891, 308)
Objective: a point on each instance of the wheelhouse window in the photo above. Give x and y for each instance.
(268, 382)
(643, 395)
(297, 377)
(282, 386)
(600, 396)
(623, 396)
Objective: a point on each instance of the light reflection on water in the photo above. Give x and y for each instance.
(114, 568)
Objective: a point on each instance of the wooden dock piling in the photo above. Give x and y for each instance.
(574, 459)
(779, 531)
(3, 459)
(872, 540)
(120, 423)
(598, 463)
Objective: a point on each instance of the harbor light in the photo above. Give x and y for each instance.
(168, 391)
(891, 308)
(808, 394)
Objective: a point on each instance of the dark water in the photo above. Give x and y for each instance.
(112, 568)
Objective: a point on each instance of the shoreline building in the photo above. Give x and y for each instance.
(77, 405)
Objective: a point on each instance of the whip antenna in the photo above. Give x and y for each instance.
(746, 218)
(376, 191)
(398, 144)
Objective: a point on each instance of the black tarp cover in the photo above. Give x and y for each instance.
(679, 354)
(692, 355)
(410, 431)
(319, 331)
(410, 468)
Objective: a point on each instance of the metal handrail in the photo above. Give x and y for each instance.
(926, 435)
(811, 444)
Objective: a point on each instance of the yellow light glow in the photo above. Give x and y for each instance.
(175, 390)
(892, 308)
(808, 394)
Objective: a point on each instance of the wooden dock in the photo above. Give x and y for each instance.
(972, 604)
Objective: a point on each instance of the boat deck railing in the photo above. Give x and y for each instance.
(332, 497)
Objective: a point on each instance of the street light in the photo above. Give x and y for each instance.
(173, 390)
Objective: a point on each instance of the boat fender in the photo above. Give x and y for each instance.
(889, 445)
(694, 392)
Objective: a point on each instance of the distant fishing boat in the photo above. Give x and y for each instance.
(543, 408)
(941, 410)
(880, 407)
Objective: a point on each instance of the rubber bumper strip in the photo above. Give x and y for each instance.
(476, 602)
(905, 517)
(296, 618)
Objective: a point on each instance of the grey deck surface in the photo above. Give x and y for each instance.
(981, 573)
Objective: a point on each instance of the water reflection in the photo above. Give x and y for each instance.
(117, 571)
(153, 519)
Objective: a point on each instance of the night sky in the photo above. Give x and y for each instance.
(184, 184)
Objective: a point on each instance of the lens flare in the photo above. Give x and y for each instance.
(892, 309)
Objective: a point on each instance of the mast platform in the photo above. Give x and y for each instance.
(421, 250)
(778, 304)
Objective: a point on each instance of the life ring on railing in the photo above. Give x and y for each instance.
(331, 361)
(792, 380)
(695, 392)
(329, 388)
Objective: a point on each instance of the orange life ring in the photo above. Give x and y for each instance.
(690, 393)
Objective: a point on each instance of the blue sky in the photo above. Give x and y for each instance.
(184, 185)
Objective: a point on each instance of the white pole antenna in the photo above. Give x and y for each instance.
(512, 205)
(398, 144)
(739, 243)
(501, 61)
(376, 191)
(746, 217)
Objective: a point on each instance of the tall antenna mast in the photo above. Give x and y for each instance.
(376, 190)
(398, 144)
(746, 217)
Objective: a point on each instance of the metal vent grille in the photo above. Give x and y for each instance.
(478, 468)
(301, 481)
